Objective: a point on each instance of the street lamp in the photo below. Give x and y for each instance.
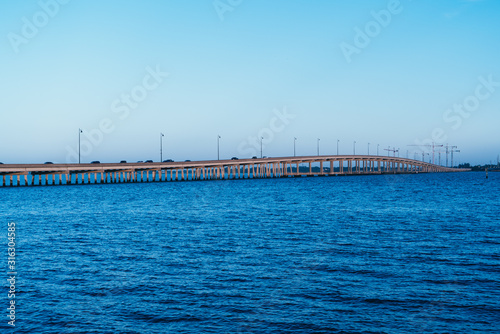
(318, 146)
(354, 148)
(79, 147)
(161, 146)
(261, 139)
(218, 138)
(294, 140)
(377, 148)
(368, 148)
(338, 146)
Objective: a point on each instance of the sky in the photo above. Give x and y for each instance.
(363, 75)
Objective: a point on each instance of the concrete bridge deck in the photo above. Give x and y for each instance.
(329, 165)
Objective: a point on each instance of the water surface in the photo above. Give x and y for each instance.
(361, 254)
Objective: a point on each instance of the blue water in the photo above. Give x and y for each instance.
(362, 254)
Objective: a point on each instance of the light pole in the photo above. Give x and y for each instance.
(338, 146)
(354, 148)
(318, 146)
(79, 148)
(261, 139)
(161, 146)
(218, 138)
(294, 140)
(368, 148)
(377, 148)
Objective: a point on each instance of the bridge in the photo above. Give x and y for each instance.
(102, 173)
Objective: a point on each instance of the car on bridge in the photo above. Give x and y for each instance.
(234, 158)
(123, 161)
(48, 163)
(254, 157)
(95, 162)
(148, 161)
(168, 160)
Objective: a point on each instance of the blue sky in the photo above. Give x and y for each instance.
(243, 70)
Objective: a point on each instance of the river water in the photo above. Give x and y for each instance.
(360, 254)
